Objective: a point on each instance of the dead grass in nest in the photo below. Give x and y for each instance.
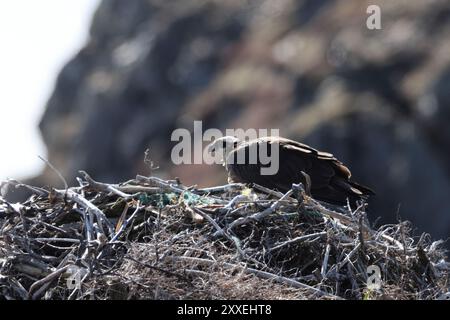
(153, 239)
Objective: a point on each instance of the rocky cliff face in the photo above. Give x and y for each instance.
(378, 99)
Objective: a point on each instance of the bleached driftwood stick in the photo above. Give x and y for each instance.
(80, 200)
(160, 183)
(220, 231)
(126, 223)
(137, 189)
(298, 239)
(268, 191)
(46, 280)
(225, 188)
(260, 215)
(323, 270)
(35, 190)
(313, 204)
(236, 200)
(104, 186)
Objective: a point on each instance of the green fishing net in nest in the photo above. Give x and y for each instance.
(161, 200)
(192, 198)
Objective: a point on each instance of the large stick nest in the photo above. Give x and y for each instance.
(153, 239)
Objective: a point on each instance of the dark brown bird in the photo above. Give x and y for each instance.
(327, 178)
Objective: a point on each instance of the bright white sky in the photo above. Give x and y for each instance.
(37, 37)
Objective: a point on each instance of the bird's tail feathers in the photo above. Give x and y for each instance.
(363, 189)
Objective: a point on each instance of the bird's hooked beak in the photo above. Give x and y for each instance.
(221, 147)
(211, 148)
(214, 148)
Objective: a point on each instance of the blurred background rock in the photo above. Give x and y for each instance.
(378, 99)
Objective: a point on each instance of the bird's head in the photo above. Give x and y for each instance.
(222, 147)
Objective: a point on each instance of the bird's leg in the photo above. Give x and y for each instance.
(306, 183)
(302, 188)
(298, 192)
